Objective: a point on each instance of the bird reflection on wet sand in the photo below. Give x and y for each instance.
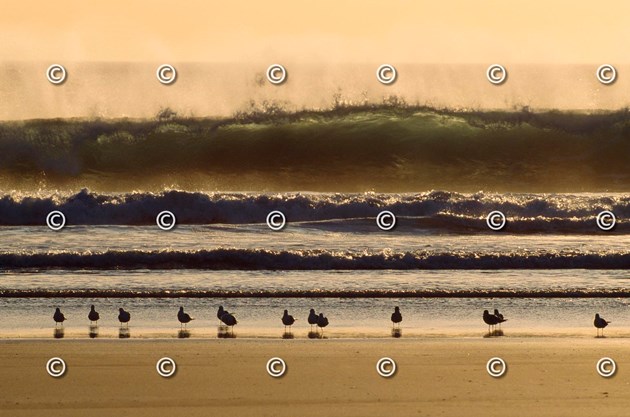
(397, 332)
(183, 334)
(288, 335)
(93, 331)
(59, 333)
(494, 333)
(316, 335)
(225, 332)
(123, 333)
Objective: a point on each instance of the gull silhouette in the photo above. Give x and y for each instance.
(396, 317)
(499, 316)
(123, 316)
(600, 323)
(228, 319)
(58, 317)
(93, 315)
(312, 318)
(220, 312)
(287, 320)
(490, 319)
(184, 318)
(322, 321)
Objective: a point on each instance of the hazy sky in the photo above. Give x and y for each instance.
(508, 31)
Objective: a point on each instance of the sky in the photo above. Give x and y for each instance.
(441, 50)
(419, 31)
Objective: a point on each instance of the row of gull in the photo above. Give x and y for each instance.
(225, 318)
(228, 319)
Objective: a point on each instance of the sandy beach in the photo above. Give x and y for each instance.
(447, 377)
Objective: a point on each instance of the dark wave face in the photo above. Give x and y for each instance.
(392, 148)
(434, 211)
(261, 259)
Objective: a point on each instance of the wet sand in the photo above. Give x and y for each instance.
(546, 377)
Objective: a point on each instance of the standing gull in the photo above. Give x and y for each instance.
(500, 318)
(322, 321)
(287, 320)
(229, 319)
(123, 316)
(184, 318)
(600, 323)
(58, 317)
(396, 317)
(312, 318)
(220, 312)
(490, 319)
(93, 315)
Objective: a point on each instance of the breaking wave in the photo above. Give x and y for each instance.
(436, 210)
(260, 259)
(393, 148)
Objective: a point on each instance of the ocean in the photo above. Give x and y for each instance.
(549, 270)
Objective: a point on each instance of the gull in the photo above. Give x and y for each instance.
(396, 316)
(93, 315)
(229, 319)
(600, 323)
(220, 312)
(322, 321)
(123, 316)
(184, 318)
(287, 320)
(490, 319)
(312, 318)
(499, 317)
(58, 317)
